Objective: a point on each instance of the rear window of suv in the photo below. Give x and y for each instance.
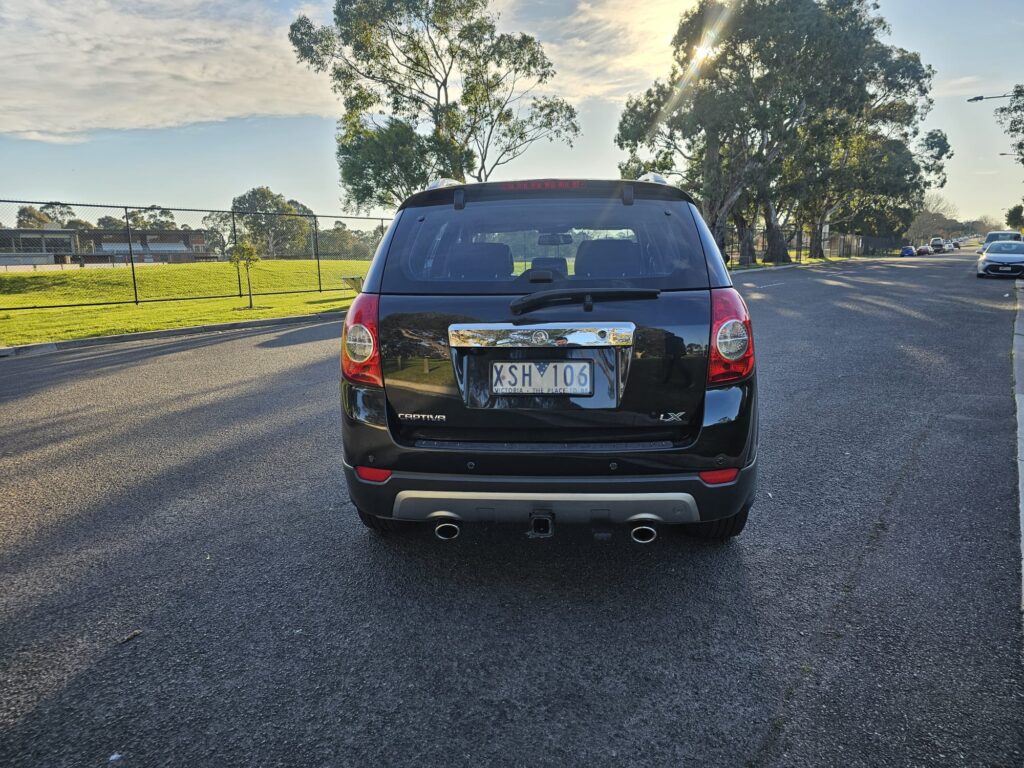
(999, 236)
(520, 246)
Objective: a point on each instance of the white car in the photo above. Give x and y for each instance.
(1002, 258)
(1000, 235)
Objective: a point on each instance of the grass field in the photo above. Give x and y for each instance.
(166, 281)
(162, 281)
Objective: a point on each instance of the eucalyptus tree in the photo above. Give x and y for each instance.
(746, 76)
(1012, 116)
(854, 157)
(441, 67)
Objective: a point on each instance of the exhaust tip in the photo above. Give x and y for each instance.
(447, 531)
(643, 534)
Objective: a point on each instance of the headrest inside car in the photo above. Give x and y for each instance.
(607, 258)
(481, 261)
(554, 263)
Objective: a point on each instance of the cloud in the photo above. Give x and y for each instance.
(72, 67)
(605, 49)
(958, 86)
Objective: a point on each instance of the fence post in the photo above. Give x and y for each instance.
(131, 254)
(234, 242)
(316, 255)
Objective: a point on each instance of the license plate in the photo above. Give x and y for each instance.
(1005, 269)
(547, 378)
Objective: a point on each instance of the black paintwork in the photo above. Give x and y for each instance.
(664, 372)
(651, 422)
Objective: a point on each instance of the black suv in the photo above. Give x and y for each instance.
(547, 353)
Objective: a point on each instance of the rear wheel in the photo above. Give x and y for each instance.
(719, 530)
(383, 525)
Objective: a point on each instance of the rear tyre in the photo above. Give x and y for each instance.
(384, 526)
(719, 530)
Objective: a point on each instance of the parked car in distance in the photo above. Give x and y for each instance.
(550, 353)
(908, 250)
(948, 246)
(998, 235)
(925, 250)
(1002, 258)
(937, 244)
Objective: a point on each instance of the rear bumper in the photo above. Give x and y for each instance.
(668, 499)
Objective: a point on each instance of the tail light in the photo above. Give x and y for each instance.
(719, 476)
(360, 347)
(732, 338)
(373, 474)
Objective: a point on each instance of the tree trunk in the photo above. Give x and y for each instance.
(719, 228)
(776, 250)
(817, 239)
(746, 235)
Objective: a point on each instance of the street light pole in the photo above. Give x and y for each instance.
(984, 98)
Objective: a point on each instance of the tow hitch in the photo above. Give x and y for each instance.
(542, 525)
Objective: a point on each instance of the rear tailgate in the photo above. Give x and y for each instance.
(461, 366)
(647, 361)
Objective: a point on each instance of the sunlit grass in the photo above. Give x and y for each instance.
(25, 326)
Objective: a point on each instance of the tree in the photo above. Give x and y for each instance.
(1015, 217)
(272, 223)
(1012, 116)
(340, 242)
(59, 213)
(936, 203)
(382, 165)
(153, 217)
(857, 163)
(244, 253)
(217, 229)
(747, 76)
(441, 67)
(30, 217)
(160, 218)
(795, 104)
(76, 223)
(984, 224)
(110, 222)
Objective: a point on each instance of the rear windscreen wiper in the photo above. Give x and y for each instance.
(585, 295)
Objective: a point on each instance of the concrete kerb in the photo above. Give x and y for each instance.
(1018, 392)
(27, 350)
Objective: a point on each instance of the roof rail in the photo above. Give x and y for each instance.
(654, 178)
(440, 183)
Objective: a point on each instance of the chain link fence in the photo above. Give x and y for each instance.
(130, 254)
(799, 244)
(99, 254)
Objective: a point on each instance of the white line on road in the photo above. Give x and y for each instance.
(769, 285)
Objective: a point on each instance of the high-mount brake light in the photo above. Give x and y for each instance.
(360, 345)
(542, 184)
(732, 338)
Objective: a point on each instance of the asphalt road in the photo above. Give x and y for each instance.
(183, 582)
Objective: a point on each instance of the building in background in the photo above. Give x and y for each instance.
(148, 246)
(32, 247)
(40, 247)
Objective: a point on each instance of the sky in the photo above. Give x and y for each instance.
(191, 102)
